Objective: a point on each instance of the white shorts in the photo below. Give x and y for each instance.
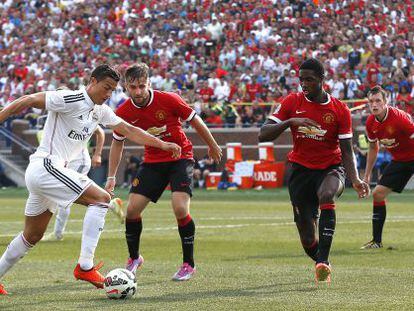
(50, 183)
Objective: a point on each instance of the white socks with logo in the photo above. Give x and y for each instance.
(93, 224)
(16, 250)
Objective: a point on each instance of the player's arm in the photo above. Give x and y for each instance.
(100, 139)
(214, 150)
(115, 155)
(37, 100)
(141, 137)
(349, 162)
(371, 159)
(272, 130)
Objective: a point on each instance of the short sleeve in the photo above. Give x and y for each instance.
(345, 124)
(115, 134)
(182, 109)
(368, 128)
(108, 117)
(408, 124)
(283, 111)
(55, 102)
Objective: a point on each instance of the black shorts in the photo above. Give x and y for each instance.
(396, 175)
(303, 188)
(152, 178)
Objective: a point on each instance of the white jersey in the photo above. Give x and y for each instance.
(72, 119)
(82, 163)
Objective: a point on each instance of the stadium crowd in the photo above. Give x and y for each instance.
(231, 59)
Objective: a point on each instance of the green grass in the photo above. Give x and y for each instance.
(248, 257)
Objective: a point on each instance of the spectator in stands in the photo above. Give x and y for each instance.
(132, 164)
(207, 165)
(255, 38)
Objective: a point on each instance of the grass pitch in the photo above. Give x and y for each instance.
(248, 257)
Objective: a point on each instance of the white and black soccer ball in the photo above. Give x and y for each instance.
(120, 284)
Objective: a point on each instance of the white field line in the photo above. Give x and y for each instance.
(364, 217)
(234, 226)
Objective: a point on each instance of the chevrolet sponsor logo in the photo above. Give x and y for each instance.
(156, 131)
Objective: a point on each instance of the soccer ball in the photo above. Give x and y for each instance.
(120, 284)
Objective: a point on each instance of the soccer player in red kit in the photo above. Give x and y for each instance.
(394, 129)
(159, 113)
(321, 130)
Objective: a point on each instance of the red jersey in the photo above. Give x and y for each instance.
(315, 147)
(395, 133)
(162, 117)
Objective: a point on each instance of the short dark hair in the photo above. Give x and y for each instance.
(136, 72)
(315, 65)
(378, 90)
(105, 71)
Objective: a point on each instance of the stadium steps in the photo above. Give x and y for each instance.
(18, 160)
(14, 164)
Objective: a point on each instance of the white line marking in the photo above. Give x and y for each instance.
(234, 226)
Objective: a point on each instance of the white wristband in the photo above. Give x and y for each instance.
(111, 178)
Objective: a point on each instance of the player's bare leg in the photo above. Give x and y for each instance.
(62, 216)
(186, 229)
(34, 228)
(327, 193)
(379, 214)
(133, 230)
(308, 237)
(97, 201)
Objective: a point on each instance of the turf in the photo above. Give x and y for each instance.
(248, 257)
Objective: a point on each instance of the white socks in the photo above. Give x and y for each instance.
(61, 220)
(14, 252)
(93, 224)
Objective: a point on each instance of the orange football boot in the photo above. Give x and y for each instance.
(323, 272)
(92, 276)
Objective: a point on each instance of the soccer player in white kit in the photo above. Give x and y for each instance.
(82, 164)
(72, 118)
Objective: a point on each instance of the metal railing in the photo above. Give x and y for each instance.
(17, 140)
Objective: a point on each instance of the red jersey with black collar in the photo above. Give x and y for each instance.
(315, 147)
(395, 132)
(161, 117)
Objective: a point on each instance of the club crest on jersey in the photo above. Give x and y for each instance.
(135, 182)
(160, 115)
(328, 118)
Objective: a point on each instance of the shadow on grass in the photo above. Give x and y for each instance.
(67, 295)
(258, 291)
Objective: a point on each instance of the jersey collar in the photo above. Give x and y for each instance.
(325, 103)
(151, 91)
(385, 118)
(87, 98)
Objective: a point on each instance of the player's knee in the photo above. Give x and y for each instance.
(180, 212)
(132, 213)
(326, 196)
(104, 197)
(33, 237)
(378, 195)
